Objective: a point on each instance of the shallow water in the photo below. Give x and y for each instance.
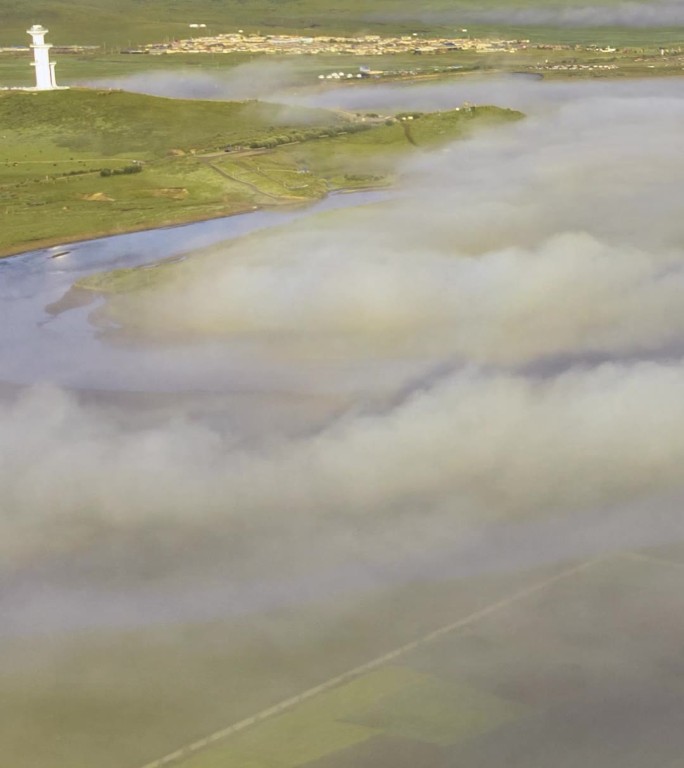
(66, 349)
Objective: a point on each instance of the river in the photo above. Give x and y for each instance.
(65, 348)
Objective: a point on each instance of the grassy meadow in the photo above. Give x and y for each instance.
(56, 145)
(82, 163)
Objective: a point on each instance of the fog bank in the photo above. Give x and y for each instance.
(533, 274)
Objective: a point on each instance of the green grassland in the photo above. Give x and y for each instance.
(126, 22)
(437, 713)
(66, 156)
(392, 700)
(297, 71)
(54, 146)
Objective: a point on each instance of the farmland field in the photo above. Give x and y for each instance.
(557, 676)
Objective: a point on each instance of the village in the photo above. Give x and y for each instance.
(366, 45)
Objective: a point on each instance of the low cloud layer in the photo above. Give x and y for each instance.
(533, 275)
(256, 79)
(487, 445)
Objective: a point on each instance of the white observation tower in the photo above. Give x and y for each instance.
(45, 70)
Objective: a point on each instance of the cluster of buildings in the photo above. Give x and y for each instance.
(575, 67)
(365, 45)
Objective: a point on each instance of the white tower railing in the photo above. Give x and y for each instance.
(45, 70)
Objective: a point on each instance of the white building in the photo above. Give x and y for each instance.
(45, 69)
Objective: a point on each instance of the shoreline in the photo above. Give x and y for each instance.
(85, 237)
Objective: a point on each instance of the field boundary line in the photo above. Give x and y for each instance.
(333, 682)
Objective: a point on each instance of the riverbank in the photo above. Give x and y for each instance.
(200, 217)
(141, 166)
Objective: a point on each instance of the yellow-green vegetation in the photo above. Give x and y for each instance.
(315, 728)
(357, 159)
(111, 123)
(68, 159)
(83, 163)
(390, 700)
(362, 159)
(113, 697)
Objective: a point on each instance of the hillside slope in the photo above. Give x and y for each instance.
(82, 163)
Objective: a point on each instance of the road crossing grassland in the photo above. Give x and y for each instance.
(463, 623)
